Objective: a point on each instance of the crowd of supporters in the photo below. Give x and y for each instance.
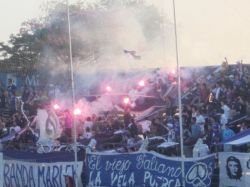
(215, 106)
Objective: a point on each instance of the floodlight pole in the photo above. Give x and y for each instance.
(73, 95)
(179, 97)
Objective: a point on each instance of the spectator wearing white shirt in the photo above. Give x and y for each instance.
(88, 124)
(200, 120)
(88, 134)
(226, 110)
(223, 121)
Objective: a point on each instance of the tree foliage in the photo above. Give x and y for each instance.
(44, 43)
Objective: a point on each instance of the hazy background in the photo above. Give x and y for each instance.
(208, 30)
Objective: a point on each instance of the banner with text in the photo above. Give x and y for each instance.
(147, 169)
(32, 174)
(234, 169)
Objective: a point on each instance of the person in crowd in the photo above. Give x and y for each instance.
(240, 107)
(204, 93)
(88, 123)
(247, 103)
(127, 117)
(25, 93)
(243, 127)
(223, 121)
(64, 138)
(20, 120)
(3, 99)
(161, 129)
(2, 87)
(229, 94)
(171, 132)
(2, 127)
(11, 87)
(237, 82)
(196, 132)
(132, 128)
(177, 128)
(213, 135)
(98, 126)
(227, 133)
(88, 133)
(200, 120)
(226, 110)
(12, 104)
(217, 91)
(187, 113)
(68, 122)
(30, 104)
(194, 111)
(186, 135)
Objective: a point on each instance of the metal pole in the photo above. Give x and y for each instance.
(163, 13)
(179, 97)
(73, 93)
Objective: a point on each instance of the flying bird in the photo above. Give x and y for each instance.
(132, 53)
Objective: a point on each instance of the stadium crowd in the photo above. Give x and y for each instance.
(215, 106)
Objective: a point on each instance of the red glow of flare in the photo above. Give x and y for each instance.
(77, 112)
(108, 88)
(56, 106)
(174, 83)
(141, 83)
(126, 100)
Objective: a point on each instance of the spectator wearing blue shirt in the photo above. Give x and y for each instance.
(227, 133)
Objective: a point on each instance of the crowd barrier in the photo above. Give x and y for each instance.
(148, 169)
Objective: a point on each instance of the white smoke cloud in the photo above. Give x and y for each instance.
(107, 33)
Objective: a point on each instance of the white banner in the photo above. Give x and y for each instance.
(19, 173)
(234, 169)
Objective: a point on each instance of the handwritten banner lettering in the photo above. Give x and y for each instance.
(147, 169)
(19, 173)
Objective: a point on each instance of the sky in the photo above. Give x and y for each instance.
(207, 30)
(14, 12)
